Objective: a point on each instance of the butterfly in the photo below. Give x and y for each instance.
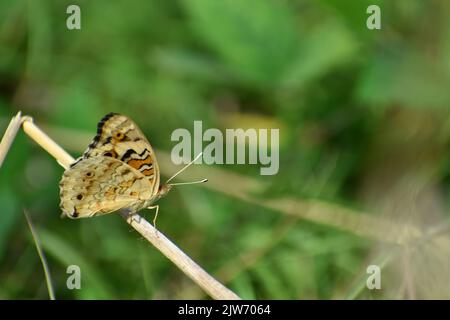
(118, 170)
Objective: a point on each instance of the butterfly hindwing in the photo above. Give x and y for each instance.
(100, 185)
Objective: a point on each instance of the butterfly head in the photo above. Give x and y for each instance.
(164, 189)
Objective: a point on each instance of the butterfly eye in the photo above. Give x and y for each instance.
(80, 196)
(119, 135)
(89, 174)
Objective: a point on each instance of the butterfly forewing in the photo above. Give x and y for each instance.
(119, 137)
(123, 166)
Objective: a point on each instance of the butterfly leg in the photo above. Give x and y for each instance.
(156, 214)
(131, 216)
(135, 216)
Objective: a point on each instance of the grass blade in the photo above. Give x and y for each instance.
(48, 277)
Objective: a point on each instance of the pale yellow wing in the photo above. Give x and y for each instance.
(101, 185)
(120, 138)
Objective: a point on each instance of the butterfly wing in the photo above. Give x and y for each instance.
(120, 138)
(101, 185)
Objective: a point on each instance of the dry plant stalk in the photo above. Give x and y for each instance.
(9, 136)
(210, 285)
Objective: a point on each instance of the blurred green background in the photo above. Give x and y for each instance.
(364, 144)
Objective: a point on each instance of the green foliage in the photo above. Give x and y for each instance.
(364, 123)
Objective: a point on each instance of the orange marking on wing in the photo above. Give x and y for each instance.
(148, 172)
(136, 163)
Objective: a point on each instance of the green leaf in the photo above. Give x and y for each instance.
(256, 39)
(327, 46)
(406, 78)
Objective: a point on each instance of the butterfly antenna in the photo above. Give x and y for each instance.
(192, 182)
(184, 168)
